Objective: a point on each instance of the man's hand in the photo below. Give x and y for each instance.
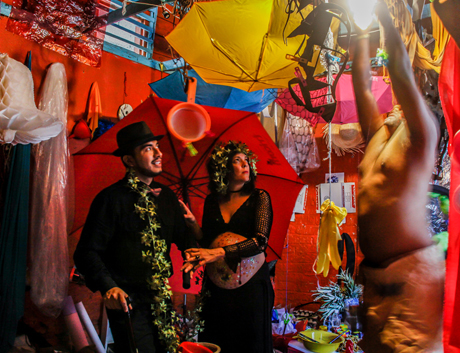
(190, 221)
(383, 14)
(115, 299)
(188, 215)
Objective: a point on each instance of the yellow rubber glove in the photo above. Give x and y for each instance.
(329, 236)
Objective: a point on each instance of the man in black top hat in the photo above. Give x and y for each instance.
(111, 253)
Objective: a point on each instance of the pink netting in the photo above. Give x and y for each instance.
(288, 103)
(346, 107)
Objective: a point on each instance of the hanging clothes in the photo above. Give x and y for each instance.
(418, 54)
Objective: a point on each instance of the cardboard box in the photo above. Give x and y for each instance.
(349, 197)
(297, 347)
(322, 194)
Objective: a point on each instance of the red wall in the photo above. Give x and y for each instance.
(294, 277)
(110, 76)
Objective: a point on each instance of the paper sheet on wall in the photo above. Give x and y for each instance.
(300, 202)
(299, 206)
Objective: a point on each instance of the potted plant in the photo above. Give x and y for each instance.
(336, 298)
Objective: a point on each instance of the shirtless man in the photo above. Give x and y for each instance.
(403, 273)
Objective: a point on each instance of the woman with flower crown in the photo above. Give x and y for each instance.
(236, 225)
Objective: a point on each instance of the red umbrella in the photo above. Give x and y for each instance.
(96, 168)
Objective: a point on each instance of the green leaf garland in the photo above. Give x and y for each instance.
(162, 310)
(219, 159)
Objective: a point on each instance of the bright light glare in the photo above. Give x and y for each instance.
(362, 11)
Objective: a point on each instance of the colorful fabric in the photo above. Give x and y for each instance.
(452, 289)
(418, 54)
(13, 246)
(63, 26)
(449, 89)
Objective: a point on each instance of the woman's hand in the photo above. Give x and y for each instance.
(194, 257)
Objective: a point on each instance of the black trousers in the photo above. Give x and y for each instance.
(145, 332)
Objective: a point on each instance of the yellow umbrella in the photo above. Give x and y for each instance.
(240, 43)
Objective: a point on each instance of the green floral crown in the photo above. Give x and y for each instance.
(219, 160)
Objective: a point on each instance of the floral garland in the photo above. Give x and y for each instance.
(219, 160)
(162, 310)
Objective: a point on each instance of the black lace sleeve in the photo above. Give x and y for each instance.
(262, 227)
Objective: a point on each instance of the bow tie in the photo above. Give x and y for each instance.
(155, 192)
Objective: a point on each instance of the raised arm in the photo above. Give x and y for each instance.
(368, 111)
(420, 121)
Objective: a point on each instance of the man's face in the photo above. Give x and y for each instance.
(146, 159)
(394, 118)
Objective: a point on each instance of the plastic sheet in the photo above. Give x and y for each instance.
(287, 145)
(63, 26)
(49, 198)
(302, 140)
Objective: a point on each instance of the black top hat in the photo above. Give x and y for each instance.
(132, 136)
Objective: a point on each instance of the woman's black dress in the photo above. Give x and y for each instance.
(239, 320)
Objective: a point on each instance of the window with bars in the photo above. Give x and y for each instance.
(133, 37)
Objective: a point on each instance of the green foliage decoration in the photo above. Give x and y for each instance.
(219, 160)
(156, 248)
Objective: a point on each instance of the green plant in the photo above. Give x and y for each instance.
(189, 325)
(335, 295)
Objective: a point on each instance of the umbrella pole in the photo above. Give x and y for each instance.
(184, 306)
(329, 147)
(276, 124)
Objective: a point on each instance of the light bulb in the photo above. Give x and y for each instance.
(362, 12)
